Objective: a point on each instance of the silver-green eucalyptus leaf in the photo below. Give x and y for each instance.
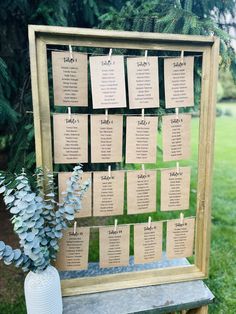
(7, 251)
(2, 246)
(17, 254)
(2, 189)
(15, 210)
(30, 236)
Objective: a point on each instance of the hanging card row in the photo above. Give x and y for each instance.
(107, 73)
(109, 193)
(114, 244)
(71, 138)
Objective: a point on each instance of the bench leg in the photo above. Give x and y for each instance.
(200, 310)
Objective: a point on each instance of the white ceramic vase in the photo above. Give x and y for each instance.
(43, 292)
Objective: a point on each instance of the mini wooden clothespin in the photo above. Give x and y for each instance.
(149, 221)
(142, 113)
(106, 114)
(109, 55)
(115, 224)
(182, 55)
(145, 55)
(181, 217)
(143, 169)
(75, 227)
(71, 51)
(177, 112)
(177, 167)
(109, 171)
(69, 112)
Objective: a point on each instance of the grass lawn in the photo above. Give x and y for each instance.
(222, 279)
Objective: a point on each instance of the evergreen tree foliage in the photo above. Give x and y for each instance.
(194, 17)
(177, 16)
(7, 113)
(16, 124)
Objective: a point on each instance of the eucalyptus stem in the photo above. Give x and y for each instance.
(38, 219)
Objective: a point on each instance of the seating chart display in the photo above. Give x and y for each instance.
(129, 139)
(137, 111)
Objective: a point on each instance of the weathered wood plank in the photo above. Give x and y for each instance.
(206, 152)
(43, 88)
(129, 280)
(35, 96)
(115, 34)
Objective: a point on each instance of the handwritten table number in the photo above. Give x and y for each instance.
(141, 138)
(175, 189)
(108, 82)
(141, 192)
(74, 249)
(176, 137)
(143, 82)
(147, 242)
(108, 193)
(114, 246)
(70, 79)
(180, 238)
(70, 138)
(178, 75)
(106, 138)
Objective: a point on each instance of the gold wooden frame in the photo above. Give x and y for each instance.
(39, 38)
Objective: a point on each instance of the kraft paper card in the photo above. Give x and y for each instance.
(141, 138)
(86, 203)
(106, 138)
(70, 79)
(108, 82)
(108, 193)
(141, 192)
(178, 74)
(147, 242)
(74, 249)
(175, 189)
(114, 246)
(143, 82)
(180, 238)
(176, 138)
(70, 138)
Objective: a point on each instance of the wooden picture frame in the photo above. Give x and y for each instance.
(208, 46)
